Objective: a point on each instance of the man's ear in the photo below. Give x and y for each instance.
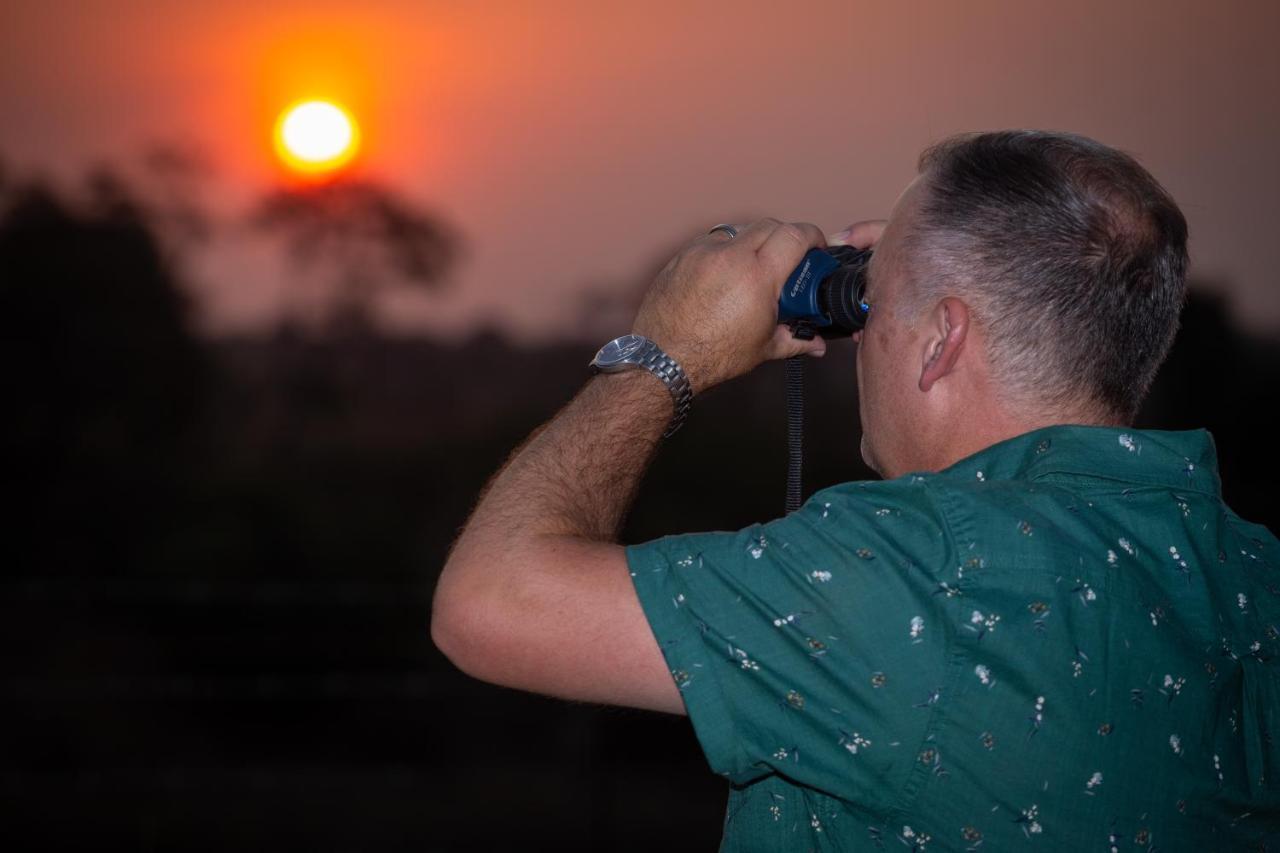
(948, 328)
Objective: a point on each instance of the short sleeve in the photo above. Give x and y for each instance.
(813, 646)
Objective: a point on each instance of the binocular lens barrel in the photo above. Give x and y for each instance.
(824, 293)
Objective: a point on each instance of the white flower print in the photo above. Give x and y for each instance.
(853, 741)
(1085, 592)
(1172, 686)
(1037, 719)
(981, 623)
(1030, 826)
(984, 675)
(1242, 601)
(1127, 442)
(1077, 665)
(917, 628)
(1124, 544)
(819, 575)
(743, 659)
(1111, 557)
(1094, 781)
(1175, 743)
(757, 547)
(917, 841)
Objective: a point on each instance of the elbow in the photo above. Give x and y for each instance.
(464, 626)
(448, 631)
(441, 636)
(489, 616)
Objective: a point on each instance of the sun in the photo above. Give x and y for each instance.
(316, 137)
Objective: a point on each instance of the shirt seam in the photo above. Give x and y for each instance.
(917, 778)
(1134, 479)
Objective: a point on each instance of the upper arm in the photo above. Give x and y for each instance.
(561, 617)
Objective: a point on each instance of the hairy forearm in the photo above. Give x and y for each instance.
(578, 474)
(536, 591)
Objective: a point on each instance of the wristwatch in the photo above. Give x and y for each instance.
(630, 351)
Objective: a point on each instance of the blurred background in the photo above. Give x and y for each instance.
(249, 404)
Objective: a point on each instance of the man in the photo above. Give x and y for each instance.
(1042, 626)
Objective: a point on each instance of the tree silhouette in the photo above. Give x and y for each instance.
(364, 239)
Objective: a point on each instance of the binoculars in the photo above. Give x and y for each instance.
(823, 295)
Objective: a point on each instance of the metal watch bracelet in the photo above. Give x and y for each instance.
(672, 375)
(651, 357)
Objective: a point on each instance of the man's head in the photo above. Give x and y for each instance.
(1024, 278)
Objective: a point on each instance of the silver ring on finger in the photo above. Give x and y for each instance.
(726, 228)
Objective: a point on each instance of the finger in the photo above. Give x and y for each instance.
(784, 345)
(753, 236)
(786, 245)
(860, 235)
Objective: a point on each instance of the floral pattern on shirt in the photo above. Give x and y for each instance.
(1076, 650)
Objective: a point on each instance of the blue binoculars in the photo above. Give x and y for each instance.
(824, 294)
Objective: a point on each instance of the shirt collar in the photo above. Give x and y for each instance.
(1184, 459)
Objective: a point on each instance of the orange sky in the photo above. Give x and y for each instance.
(576, 143)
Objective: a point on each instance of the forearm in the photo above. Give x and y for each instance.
(535, 592)
(576, 476)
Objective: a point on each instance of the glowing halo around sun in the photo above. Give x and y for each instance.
(316, 137)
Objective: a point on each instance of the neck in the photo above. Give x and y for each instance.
(989, 422)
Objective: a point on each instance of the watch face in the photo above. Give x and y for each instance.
(619, 350)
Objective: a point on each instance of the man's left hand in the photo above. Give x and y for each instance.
(714, 306)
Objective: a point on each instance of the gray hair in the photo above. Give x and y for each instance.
(1071, 254)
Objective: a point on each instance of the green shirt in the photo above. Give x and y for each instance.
(1066, 641)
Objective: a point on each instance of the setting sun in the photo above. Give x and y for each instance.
(316, 137)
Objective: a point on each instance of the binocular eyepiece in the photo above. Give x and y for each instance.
(823, 295)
